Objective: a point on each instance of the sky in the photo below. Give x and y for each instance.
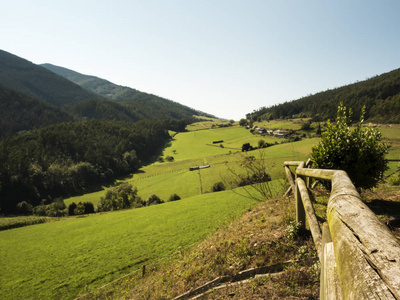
(224, 57)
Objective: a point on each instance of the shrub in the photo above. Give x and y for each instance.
(219, 186)
(261, 144)
(40, 210)
(243, 122)
(24, 208)
(174, 197)
(360, 152)
(71, 209)
(306, 126)
(120, 197)
(153, 200)
(79, 209)
(89, 207)
(169, 158)
(394, 179)
(247, 147)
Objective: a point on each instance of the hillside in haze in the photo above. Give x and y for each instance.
(35, 81)
(142, 105)
(380, 95)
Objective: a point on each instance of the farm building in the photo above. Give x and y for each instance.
(280, 133)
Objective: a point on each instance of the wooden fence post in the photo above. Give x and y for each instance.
(300, 212)
(329, 283)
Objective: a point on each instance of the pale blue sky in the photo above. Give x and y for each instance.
(224, 57)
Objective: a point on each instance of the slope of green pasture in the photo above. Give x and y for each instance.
(392, 133)
(280, 124)
(63, 259)
(164, 179)
(199, 144)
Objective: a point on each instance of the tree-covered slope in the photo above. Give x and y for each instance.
(35, 81)
(93, 109)
(380, 95)
(19, 112)
(146, 105)
(95, 84)
(63, 159)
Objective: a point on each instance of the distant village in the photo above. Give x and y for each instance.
(261, 130)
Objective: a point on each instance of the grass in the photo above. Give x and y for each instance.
(15, 222)
(164, 179)
(66, 258)
(261, 236)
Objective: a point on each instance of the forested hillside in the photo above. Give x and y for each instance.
(95, 84)
(19, 112)
(67, 158)
(380, 95)
(33, 80)
(142, 105)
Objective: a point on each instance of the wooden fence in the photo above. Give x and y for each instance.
(360, 257)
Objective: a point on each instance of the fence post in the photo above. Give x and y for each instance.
(330, 285)
(300, 212)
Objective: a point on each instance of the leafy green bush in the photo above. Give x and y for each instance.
(24, 208)
(359, 151)
(71, 209)
(219, 186)
(153, 200)
(169, 158)
(120, 197)
(174, 197)
(79, 209)
(394, 179)
(247, 147)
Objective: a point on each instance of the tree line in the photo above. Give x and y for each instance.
(61, 160)
(380, 95)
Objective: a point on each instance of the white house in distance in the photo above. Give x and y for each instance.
(280, 133)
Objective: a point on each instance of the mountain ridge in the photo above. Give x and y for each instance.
(380, 95)
(145, 104)
(35, 81)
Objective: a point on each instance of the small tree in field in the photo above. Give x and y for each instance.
(359, 151)
(251, 175)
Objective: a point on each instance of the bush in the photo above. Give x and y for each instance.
(89, 207)
(24, 208)
(153, 200)
(71, 209)
(174, 197)
(247, 147)
(120, 197)
(169, 158)
(243, 122)
(219, 186)
(79, 209)
(360, 152)
(261, 144)
(394, 179)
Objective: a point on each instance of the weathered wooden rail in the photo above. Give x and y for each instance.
(360, 257)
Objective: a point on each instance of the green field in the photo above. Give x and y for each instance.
(195, 149)
(63, 259)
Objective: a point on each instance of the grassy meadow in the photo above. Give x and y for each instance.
(60, 260)
(73, 256)
(195, 148)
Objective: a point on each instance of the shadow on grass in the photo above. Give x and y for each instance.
(389, 209)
